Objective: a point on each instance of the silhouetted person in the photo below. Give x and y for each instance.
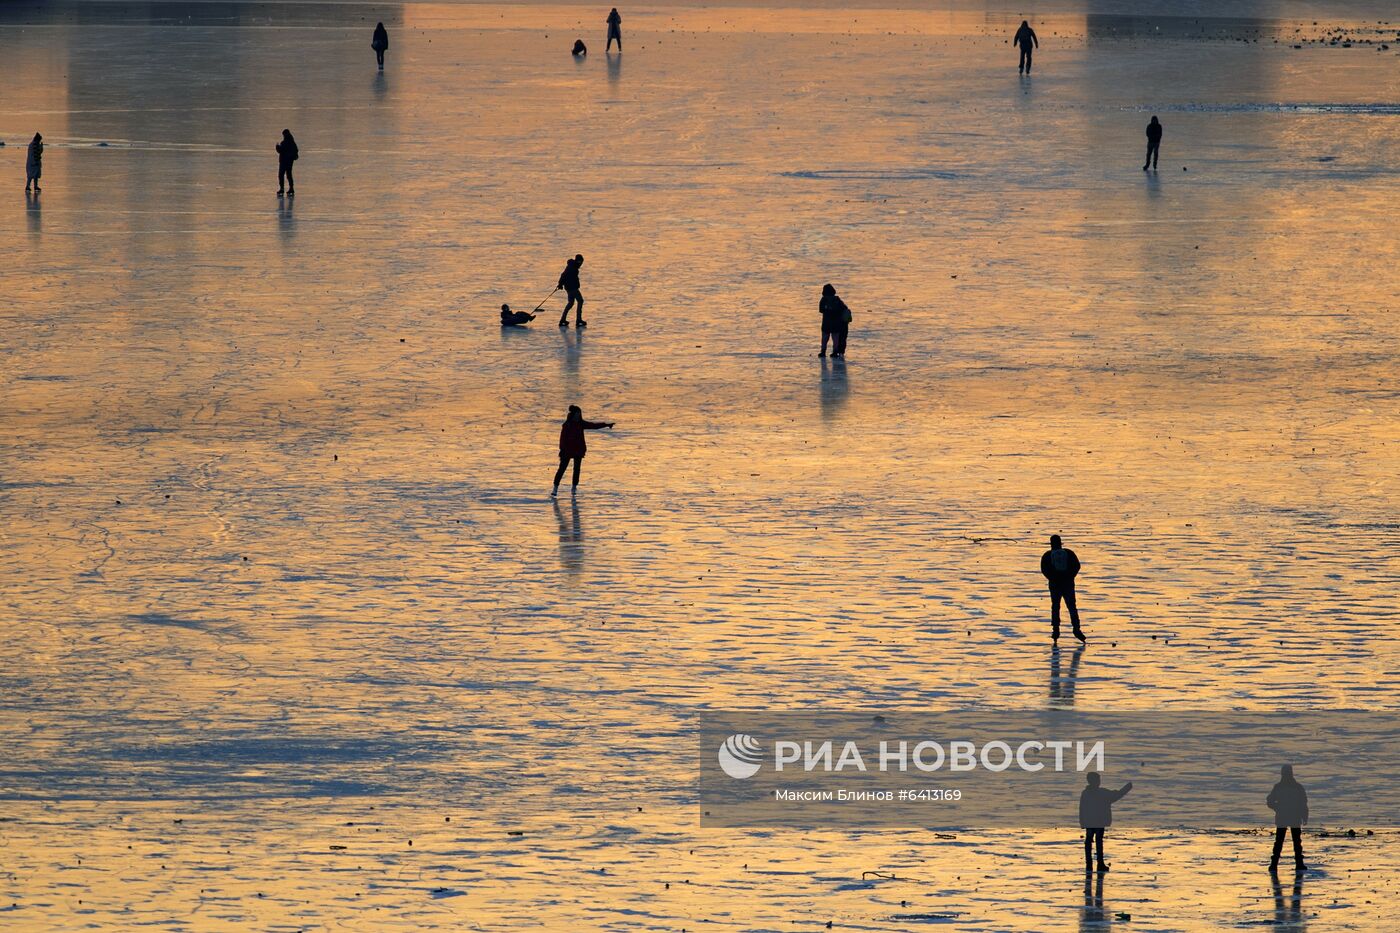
(568, 280)
(580, 49)
(511, 318)
(1289, 802)
(1026, 39)
(1154, 143)
(34, 162)
(614, 30)
(1096, 815)
(1060, 565)
(286, 154)
(572, 445)
(836, 321)
(380, 43)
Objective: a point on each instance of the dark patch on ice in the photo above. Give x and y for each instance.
(41, 378)
(160, 618)
(852, 174)
(1278, 107)
(299, 750)
(439, 893)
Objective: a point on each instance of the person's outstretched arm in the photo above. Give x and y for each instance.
(1122, 792)
(595, 425)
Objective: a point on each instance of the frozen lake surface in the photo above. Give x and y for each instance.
(295, 638)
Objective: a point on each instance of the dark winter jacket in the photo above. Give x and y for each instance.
(1059, 566)
(834, 312)
(1289, 802)
(571, 442)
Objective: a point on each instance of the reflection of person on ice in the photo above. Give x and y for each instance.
(572, 445)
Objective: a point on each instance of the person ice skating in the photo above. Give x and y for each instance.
(1096, 815)
(1060, 565)
(380, 43)
(568, 281)
(286, 154)
(34, 162)
(1289, 801)
(836, 322)
(614, 30)
(1026, 39)
(1154, 143)
(511, 318)
(572, 445)
(580, 49)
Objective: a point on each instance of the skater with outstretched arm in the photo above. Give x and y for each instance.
(572, 445)
(1096, 815)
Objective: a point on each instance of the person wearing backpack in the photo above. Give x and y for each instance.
(1060, 565)
(836, 321)
(286, 154)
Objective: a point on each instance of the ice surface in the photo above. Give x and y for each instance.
(278, 556)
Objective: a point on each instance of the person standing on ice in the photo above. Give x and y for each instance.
(568, 281)
(836, 322)
(34, 163)
(1154, 143)
(1096, 815)
(1289, 801)
(1026, 39)
(287, 153)
(572, 445)
(614, 30)
(380, 43)
(1060, 565)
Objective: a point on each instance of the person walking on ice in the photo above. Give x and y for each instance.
(614, 30)
(1060, 566)
(836, 321)
(568, 281)
(380, 43)
(34, 163)
(1096, 815)
(1289, 801)
(1026, 39)
(573, 445)
(287, 153)
(1154, 143)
